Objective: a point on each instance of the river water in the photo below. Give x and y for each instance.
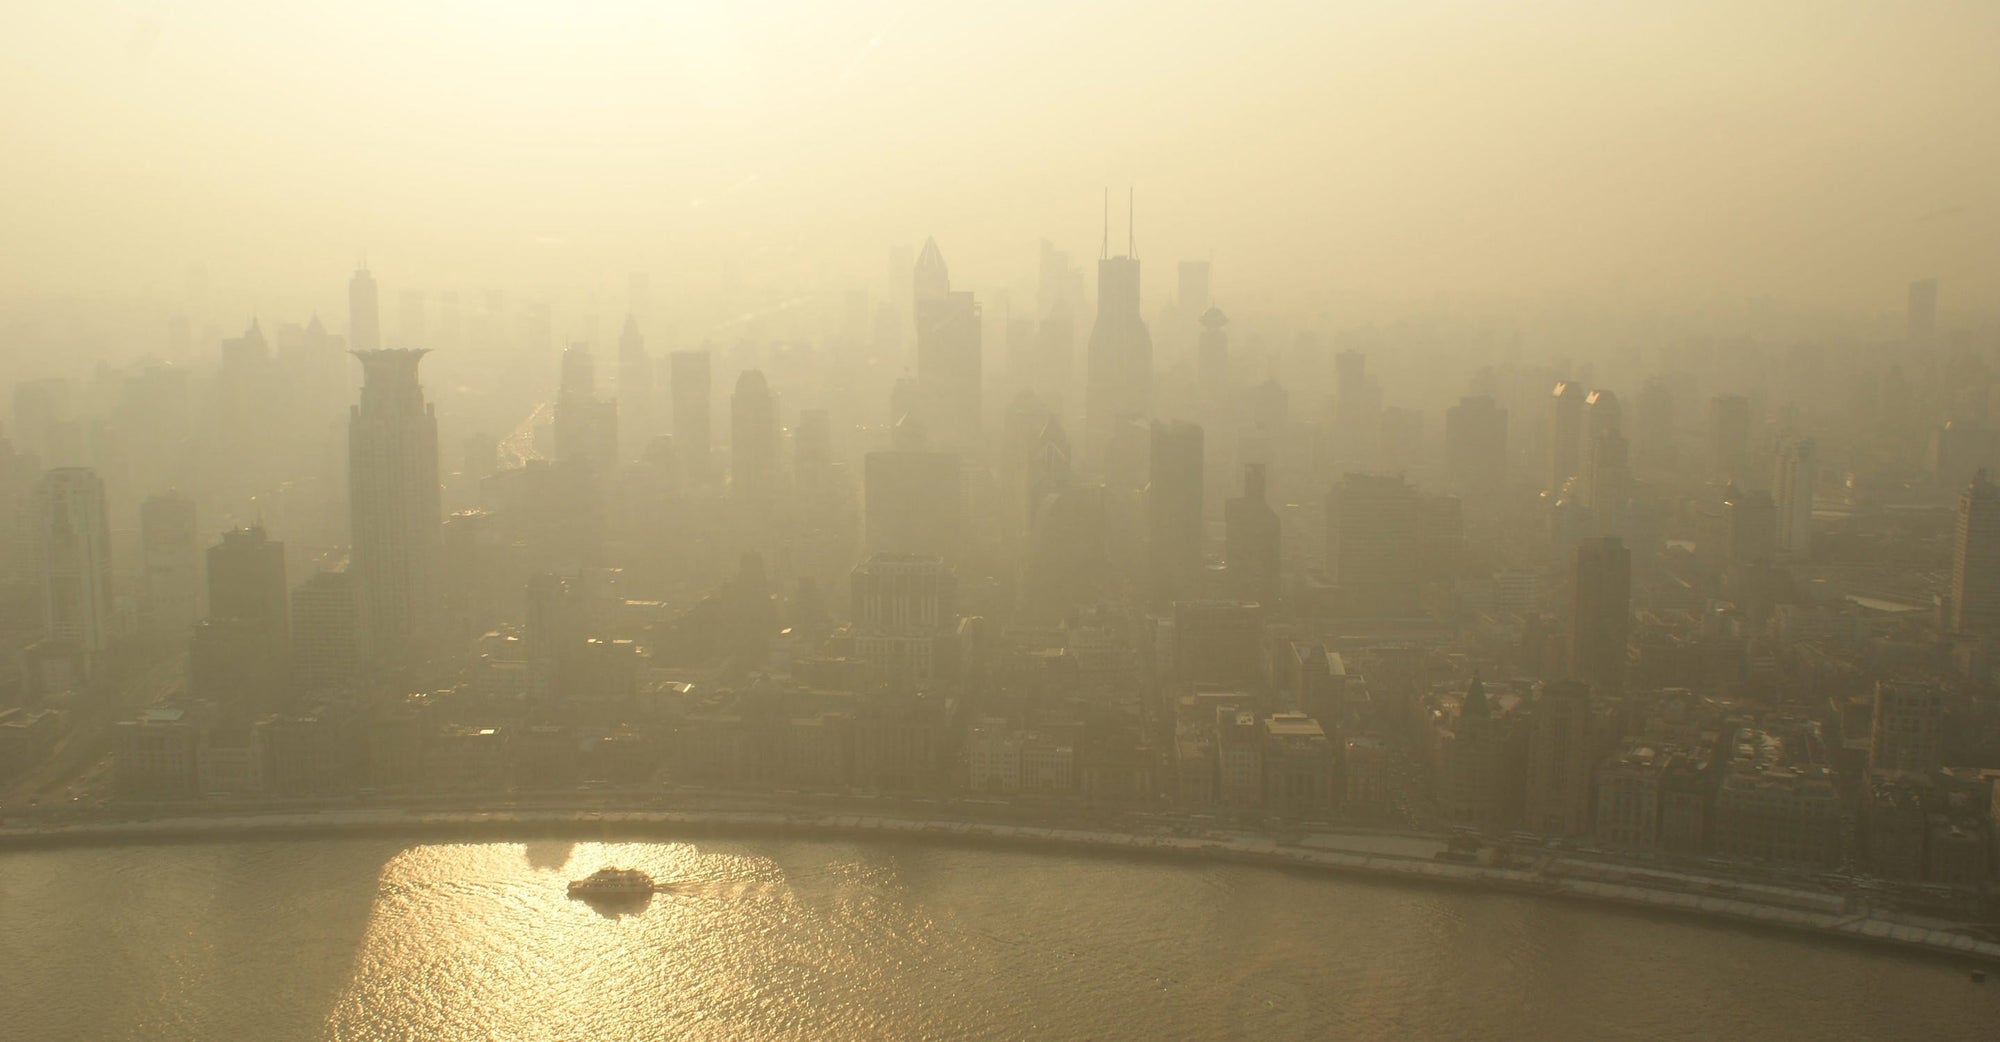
(758, 939)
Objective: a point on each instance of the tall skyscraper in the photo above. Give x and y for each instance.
(1173, 507)
(948, 353)
(688, 373)
(1559, 760)
(1565, 435)
(394, 504)
(1475, 439)
(246, 582)
(1252, 542)
(329, 636)
(172, 557)
(586, 427)
(75, 550)
(1975, 565)
(364, 321)
(1118, 377)
(1798, 472)
(753, 439)
(1600, 613)
(1374, 547)
(1920, 318)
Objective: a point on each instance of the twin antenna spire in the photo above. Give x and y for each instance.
(1131, 250)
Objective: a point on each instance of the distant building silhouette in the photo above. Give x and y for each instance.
(1565, 435)
(1600, 613)
(635, 401)
(753, 439)
(394, 504)
(1798, 475)
(948, 353)
(1118, 377)
(246, 582)
(75, 551)
(1559, 760)
(1729, 437)
(1252, 551)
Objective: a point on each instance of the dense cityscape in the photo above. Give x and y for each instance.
(1742, 624)
(795, 521)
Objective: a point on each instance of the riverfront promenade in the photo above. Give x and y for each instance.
(1387, 857)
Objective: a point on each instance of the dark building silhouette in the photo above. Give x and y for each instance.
(329, 638)
(246, 582)
(586, 427)
(1559, 760)
(1565, 435)
(1600, 613)
(635, 401)
(1252, 542)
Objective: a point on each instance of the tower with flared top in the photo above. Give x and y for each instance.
(394, 504)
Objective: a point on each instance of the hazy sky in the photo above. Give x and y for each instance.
(1821, 151)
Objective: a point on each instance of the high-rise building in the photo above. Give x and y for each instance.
(1118, 377)
(1565, 435)
(1374, 549)
(172, 557)
(1173, 507)
(1600, 613)
(1975, 565)
(586, 427)
(1908, 727)
(1475, 441)
(903, 611)
(1798, 472)
(75, 551)
(1557, 800)
(246, 582)
(688, 372)
(394, 504)
(753, 439)
(328, 634)
(364, 322)
(1729, 436)
(635, 388)
(948, 353)
(1356, 409)
(1252, 542)
(1920, 318)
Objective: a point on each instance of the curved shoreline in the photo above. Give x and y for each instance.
(1875, 929)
